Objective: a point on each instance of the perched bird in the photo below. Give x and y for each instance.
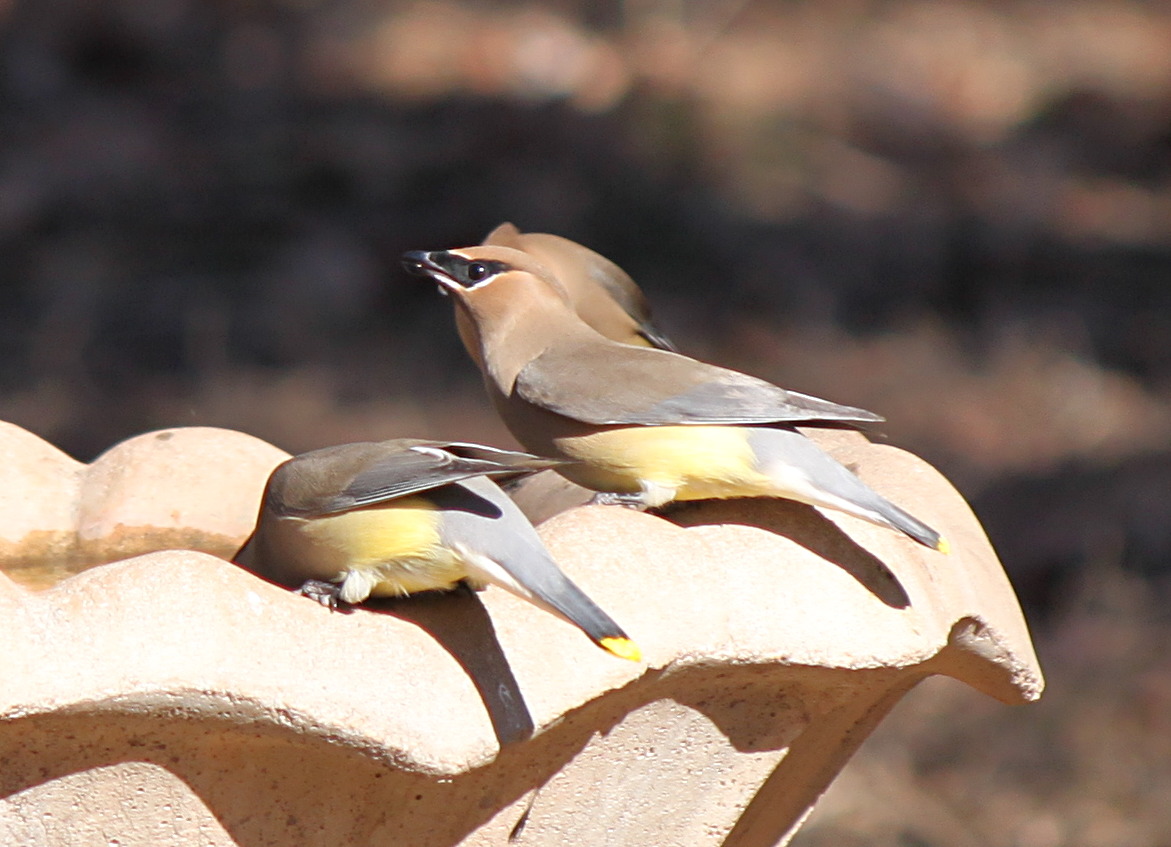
(395, 517)
(606, 298)
(644, 426)
(603, 295)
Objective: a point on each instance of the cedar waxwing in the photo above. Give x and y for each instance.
(643, 426)
(603, 295)
(395, 517)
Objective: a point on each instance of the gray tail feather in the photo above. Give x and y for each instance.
(910, 525)
(563, 596)
(787, 448)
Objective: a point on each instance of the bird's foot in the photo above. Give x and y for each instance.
(613, 498)
(325, 593)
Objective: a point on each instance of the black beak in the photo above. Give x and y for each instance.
(419, 263)
(422, 263)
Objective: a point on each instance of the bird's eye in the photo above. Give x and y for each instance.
(477, 272)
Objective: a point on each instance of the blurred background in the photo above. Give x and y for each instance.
(955, 214)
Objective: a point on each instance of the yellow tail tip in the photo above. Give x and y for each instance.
(623, 648)
(942, 545)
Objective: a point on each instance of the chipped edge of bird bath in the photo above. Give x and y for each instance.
(564, 685)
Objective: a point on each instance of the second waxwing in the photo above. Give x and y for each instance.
(602, 294)
(391, 518)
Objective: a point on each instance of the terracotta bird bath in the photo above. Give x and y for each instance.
(155, 694)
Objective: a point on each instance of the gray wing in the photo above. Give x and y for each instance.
(607, 383)
(337, 479)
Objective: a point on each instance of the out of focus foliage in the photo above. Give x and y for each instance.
(958, 214)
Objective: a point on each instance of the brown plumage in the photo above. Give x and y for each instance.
(602, 294)
(643, 424)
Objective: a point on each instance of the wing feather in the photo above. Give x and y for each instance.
(611, 384)
(338, 479)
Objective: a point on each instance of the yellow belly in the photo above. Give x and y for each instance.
(398, 543)
(699, 462)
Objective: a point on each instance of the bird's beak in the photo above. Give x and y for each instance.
(420, 263)
(429, 264)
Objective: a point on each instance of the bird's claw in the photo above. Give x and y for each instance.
(325, 593)
(613, 498)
